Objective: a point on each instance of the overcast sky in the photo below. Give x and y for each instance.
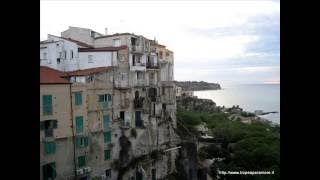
(228, 42)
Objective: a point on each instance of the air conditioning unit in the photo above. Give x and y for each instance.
(79, 171)
(87, 169)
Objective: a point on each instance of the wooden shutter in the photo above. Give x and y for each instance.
(79, 124)
(107, 154)
(107, 137)
(106, 122)
(78, 98)
(47, 104)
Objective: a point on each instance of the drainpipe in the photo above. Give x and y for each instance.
(73, 135)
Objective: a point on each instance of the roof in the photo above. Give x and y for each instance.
(51, 76)
(78, 42)
(116, 34)
(110, 48)
(86, 72)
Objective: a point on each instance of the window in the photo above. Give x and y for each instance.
(71, 53)
(58, 60)
(92, 33)
(82, 161)
(49, 171)
(78, 98)
(138, 119)
(133, 41)
(48, 126)
(50, 147)
(107, 137)
(160, 54)
(163, 90)
(122, 115)
(47, 104)
(44, 55)
(105, 97)
(64, 54)
(167, 53)
(82, 141)
(116, 42)
(106, 122)
(140, 75)
(123, 76)
(79, 124)
(107, 154)
(108, 173)
(90, 58)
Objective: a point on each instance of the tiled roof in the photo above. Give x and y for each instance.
(78, 42)
(110, 48)
(51, 76)
(86, 72)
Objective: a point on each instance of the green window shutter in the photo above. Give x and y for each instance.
(82, 161)
(47, 104)
(106, 122)
(55, 123)
(107, 137)
(79, 124)
(78, 98)
(101, 98)
(107, 154)
(78, 142)
(50, 147)
(54, 170)
(86, 141)
(41, 125)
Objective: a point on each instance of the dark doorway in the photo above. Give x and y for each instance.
(122, 115)
(138, 175)
(138, 119)
(154, 175)
(49, 171)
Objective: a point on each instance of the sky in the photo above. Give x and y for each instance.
(228, 42)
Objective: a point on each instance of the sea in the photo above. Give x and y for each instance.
(249, 97)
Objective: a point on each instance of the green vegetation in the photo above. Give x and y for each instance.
(246, 147)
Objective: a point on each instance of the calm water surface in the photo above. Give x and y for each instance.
(249, 97)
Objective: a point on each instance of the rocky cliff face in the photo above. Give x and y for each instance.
(197, 85)
(195, 104)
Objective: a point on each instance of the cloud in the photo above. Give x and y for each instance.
(218, 39)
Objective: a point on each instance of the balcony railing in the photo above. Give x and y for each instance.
(135, 48)
(121, 84)
(153, 66)
(48, 133)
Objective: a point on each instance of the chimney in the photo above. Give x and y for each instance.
(106, 31)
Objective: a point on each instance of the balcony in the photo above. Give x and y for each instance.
(105, 105)
(120, 84)
(140, 83)
(48, 133)
(138, 103)
(136, 49)
(124, 124)
(138, 67)
(153, 66)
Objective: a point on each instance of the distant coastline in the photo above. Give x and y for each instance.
(197, 85)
